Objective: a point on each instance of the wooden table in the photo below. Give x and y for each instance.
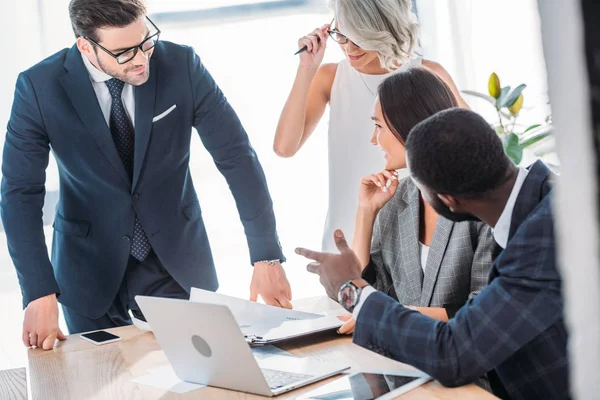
(13, 384)
(76, 369)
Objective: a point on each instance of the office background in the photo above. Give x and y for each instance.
(248, 45)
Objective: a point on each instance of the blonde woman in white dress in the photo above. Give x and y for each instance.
(378, 38)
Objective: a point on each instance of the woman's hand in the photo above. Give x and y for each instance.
(349, 323)
(376, 190)
(315, 49)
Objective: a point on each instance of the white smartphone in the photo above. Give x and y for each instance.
(100, 337)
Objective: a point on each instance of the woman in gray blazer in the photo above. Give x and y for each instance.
(407, 250)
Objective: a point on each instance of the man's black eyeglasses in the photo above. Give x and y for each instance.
(127, 55)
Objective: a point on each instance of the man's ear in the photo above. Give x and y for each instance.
(450, 201)
(84, 46)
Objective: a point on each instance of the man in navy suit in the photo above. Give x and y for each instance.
(117, 111)
(514, 329)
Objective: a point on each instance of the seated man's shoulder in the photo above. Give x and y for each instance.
(540, 221)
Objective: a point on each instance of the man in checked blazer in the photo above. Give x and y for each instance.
(514, 329)
(117, 110)
(457, 266)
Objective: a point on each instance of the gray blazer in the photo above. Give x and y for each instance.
(458, 265)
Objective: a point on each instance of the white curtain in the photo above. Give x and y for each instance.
(473, 38)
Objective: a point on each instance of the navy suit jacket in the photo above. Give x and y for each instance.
(513, 328)
(55, 108)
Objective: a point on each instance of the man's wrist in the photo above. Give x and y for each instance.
(28, 301)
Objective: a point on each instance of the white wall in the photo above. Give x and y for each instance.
(20, 46)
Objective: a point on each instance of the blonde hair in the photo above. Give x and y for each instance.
(388, 27)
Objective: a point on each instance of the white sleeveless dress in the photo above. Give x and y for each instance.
(351, 155)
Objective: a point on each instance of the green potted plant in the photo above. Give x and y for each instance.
(509, 104)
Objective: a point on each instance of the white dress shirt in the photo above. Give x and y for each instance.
(424, 250)
(98, 79)
(502, 228)
(501, 231)
(366, 292)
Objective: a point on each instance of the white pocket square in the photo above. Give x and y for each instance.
(161, 116)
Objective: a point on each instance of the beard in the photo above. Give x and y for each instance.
(126, 76)
(438, 205)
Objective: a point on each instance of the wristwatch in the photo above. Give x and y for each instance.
(270, 262)
(349, 295)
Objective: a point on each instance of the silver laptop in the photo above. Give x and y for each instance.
(205, 345)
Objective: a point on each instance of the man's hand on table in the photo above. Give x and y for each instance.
(40, 325)
(270, 282)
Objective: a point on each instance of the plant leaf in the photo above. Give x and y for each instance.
(510, 99)
(513, 148)
(534, 139)
(532, 127)
(502, 97)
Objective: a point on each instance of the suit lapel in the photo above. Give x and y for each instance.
(78, 86)
(534, 189)
(409, 244)
(439, 243)
(145, 96)
(536, 186)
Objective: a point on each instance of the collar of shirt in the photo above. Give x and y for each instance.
(98, 79)
(502, 228)
(95, 74)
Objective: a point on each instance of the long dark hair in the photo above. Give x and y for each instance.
(412, 96)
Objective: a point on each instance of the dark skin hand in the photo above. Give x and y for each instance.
(334, 269)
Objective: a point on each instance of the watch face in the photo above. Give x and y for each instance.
(348, 297)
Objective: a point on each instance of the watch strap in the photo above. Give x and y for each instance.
(270, 262)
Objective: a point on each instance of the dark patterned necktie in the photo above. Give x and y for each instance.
(123, 136)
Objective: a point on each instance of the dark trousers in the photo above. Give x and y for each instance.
(148, 278)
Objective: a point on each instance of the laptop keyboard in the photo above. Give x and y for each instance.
(279, 379)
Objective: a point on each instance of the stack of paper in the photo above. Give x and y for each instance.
(263, 324)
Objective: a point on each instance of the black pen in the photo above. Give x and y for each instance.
(306, 47)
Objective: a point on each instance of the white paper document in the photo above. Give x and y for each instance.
(246, 311)
(262, 324)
